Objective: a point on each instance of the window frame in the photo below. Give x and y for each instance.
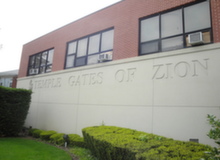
(184, 34)
(42, 67)
(76, 58)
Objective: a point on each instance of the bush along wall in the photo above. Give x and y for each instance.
(14, 106)
(214, 134)
(115, 143)
(57, 138)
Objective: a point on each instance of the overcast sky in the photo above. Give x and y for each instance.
(22, 21)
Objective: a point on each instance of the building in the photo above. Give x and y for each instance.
(9, 78)
(150, 65)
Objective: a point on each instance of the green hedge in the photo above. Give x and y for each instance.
(76, 140)
(14, 106)
(115, 143)
(45, 135)
(36, 133)
(57, 138)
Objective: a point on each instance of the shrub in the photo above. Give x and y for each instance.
(36, 133)
(76, 140)
(109, 142)
(14, 108)
(30, 131)
(57, 139)
(214, 134)
(45, 135)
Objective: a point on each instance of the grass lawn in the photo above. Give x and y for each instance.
(82, 153)
(26, 149)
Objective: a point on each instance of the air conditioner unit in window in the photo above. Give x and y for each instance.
(107, 56)
(34, 71)
(196, 38)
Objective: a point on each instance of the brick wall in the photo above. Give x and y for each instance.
(123, 16)
(215, 5)
(14, 82)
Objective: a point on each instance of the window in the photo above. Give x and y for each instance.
(170, 30)
(41, 62)
(86, 51)
(10, 84)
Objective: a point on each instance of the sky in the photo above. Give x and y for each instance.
(22, 21)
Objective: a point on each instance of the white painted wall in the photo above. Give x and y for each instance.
(168, 93)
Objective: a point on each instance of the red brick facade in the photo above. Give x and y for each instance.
(215, 8)
(14, 82)
(123, 16)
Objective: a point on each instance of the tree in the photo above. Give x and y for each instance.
(214, 134)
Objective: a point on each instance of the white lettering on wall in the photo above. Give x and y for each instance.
(86, 79)
(180, 69)
(45, 83)
(125, 75)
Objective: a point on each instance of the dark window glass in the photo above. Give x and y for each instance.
(197, 17)
(170, 30)
(81, 61)
(107, 40)
(37, 60)
(86, 51)
(32, 61)
(171, 23)
(172, 43)
(94, 42)
(42, 69)
(41, 62)
(93, 59)
(70, 61)
(150, 47)
(82, 47)
(149, 29)
(50, 57)
(49, 68)
(43, 59)
(71, 48)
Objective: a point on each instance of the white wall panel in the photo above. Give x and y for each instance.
(168, 93)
